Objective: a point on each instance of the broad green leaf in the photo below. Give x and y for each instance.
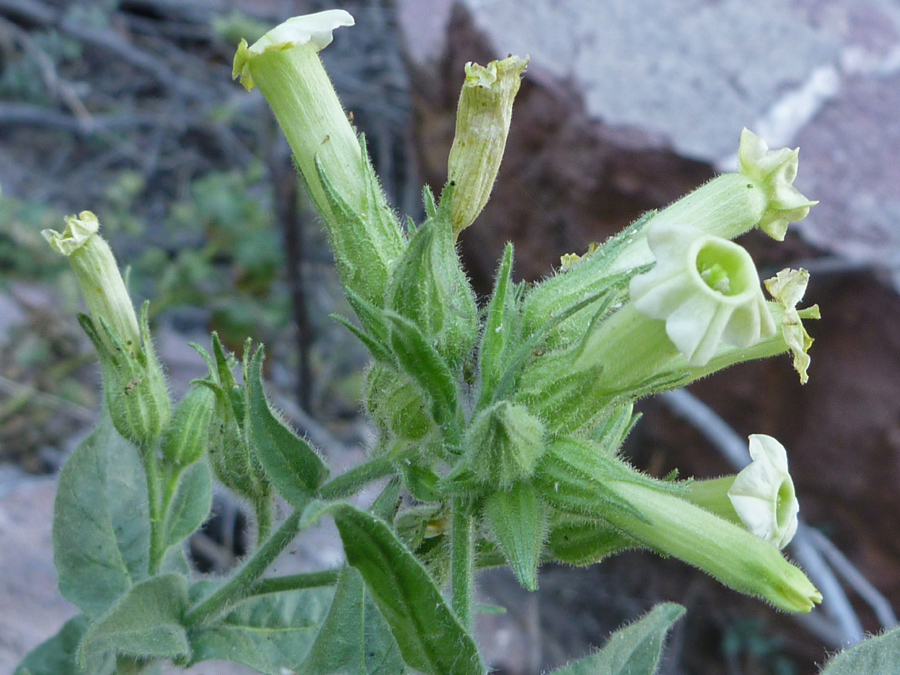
(190, 504)
(269, 633)
(633, 650)
(101, 526)
(879, 655)
(518, 520)
(421, 361)
(354, 639)
(176, 562)
(496, 330)
(292, 465)
(427, 632)
(145, 623)
(57, 656)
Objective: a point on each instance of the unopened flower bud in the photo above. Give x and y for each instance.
(187, 437)
(133, 379)
(503, 444)
(482, 126)
(396, 405)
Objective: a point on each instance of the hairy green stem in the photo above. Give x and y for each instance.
(265, 512)
(157, 508)
(295, 582)
(244, 583)
(351, 481)
(462, 561)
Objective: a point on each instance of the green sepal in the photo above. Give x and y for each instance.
(190, 504)
(376, 328)
(293, 466)
(388, 502)
(429, 202)
(875, 655)
(500, 330)
(354, 639)
(573, 476)
(429, 287)
(425, 366)
(397, 406)
(269, 633)
(101, 523)
(367, 242)
(423, 483)
(582, 542)
(592, 275)
(633, 650)
(427, 632)
(58, 655)
(187, 438)
(503, 445)
(518, 520)
(145, 623)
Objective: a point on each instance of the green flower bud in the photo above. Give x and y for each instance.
(232, 458)
(396, 405)
(503, 444)
(429, 287)
(133, 379)
(706, 288)
(285, 65)
(482, 126)
(187, 438)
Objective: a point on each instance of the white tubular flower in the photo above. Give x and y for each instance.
(774, 171)
(763, 493)
(707, 290)
(315, 29)
(788, 287)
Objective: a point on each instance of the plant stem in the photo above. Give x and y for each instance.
(294, 582)
(157, 509)
(244, 582)
(265, 511)
(462, 574)
(351, 481)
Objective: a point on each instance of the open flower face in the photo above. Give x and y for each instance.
(705, 288)
(763, 493)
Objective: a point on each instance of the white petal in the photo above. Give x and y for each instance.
(315, 28)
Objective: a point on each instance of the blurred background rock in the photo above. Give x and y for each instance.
(126, 108)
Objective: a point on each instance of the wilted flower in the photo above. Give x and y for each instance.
(763, 493)
(707, 290)
(788, 287)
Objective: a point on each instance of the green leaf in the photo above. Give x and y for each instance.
(427, 632)
(354, 639)
(293, 466)
(190, 504)
(425, 367)
(518, 519)
(388, 502)
(145, 623)
(57, 656)
(495, 338)
(633, 650)
(876, 655)
(101, 525)
(269, 633)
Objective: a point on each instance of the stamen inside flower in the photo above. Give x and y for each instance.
(723, 267)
